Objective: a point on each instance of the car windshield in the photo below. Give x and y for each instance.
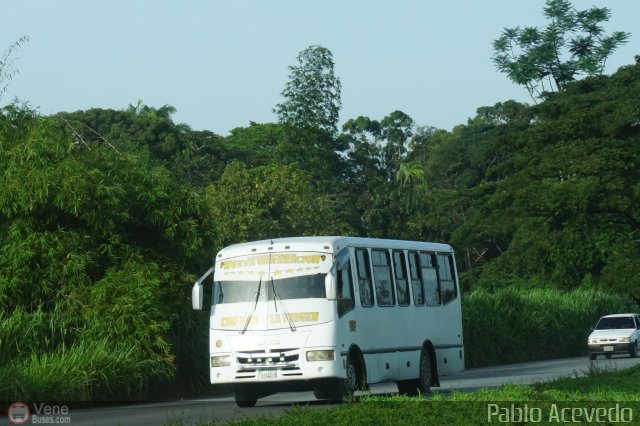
(612, 323)
(303, 287)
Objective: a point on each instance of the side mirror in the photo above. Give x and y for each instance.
(330, 285)
(197, 294)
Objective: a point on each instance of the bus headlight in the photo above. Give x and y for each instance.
(324, 355)
(220, 361)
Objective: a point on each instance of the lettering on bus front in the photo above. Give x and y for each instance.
(274, 259)
(296, 317)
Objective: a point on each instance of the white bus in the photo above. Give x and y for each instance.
(332, 314)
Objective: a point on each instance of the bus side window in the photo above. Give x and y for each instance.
(217, 291)
(345, 289)
(447, 280)
(382, 277)
(400, 271)
(430, 278)
(364, 277)
(416, 281)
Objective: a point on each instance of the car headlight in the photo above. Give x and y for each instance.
(623, 340)
(220, 361)
(593, 340)
(324, 355)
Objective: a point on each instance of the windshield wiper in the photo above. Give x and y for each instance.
(255, 304)
(277, 299)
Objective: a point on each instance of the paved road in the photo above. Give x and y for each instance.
(193, 410)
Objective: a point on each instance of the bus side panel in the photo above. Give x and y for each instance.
(449, 347)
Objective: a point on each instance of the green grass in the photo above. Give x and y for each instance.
(615, 385)
(599, 392)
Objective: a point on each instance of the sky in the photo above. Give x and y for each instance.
(223, 64)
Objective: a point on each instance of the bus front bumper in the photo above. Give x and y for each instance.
(261, 372)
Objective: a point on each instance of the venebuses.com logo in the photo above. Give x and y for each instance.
(19, 413)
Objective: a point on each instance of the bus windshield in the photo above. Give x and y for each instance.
(302, 287)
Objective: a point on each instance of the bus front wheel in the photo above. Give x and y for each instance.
(341, 389)
(245, 400)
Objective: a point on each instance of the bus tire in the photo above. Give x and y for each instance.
(408, 387)
(321, 393)
(244, 400)
(345, 388)
(426, 372)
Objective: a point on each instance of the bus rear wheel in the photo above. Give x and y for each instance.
(408, 387)
(422, 385)
(424, 381)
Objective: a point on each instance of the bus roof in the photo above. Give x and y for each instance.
(331, 244)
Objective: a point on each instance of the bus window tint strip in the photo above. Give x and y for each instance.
(416, 281)
(364, 277)
(430, 278)
(447, 282)
(382, 276)
(402, 284)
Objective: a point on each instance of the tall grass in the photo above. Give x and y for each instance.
(514, 325)
(46, 357)
(86, 371)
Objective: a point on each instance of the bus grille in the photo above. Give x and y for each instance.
(267, 358)
(283, 359)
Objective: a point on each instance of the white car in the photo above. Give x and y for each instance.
(615, 334)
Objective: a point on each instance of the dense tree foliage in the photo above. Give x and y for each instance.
(195, 157)
(544, 195)
(573, 43)
(266, 201)
(100, 240)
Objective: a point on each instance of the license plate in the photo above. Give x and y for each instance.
(267, 374)
(608, 348)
